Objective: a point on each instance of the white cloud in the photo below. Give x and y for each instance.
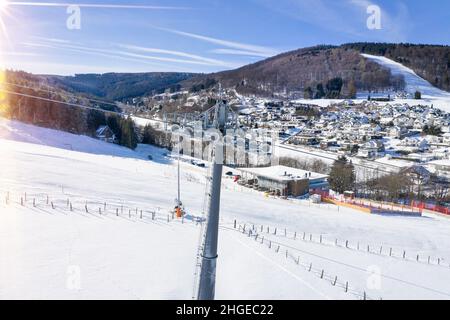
(238, 52)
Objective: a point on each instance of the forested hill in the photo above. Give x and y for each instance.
(306, 69)
(120, 86)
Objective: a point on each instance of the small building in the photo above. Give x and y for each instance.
(372, 149)
(284, 181)
(105, 133)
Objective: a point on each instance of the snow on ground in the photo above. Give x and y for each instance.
(129, 257)
(430, 94)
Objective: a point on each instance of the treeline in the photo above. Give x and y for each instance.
(331, 90)
(52, 109)
(121, 86)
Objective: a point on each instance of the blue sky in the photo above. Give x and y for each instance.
(199, 35)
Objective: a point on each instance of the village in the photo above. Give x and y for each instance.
(386, 133)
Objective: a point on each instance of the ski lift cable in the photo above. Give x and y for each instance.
(73, 104)
(56, 92)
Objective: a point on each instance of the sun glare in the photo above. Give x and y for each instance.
(3, 4)
(3, 7)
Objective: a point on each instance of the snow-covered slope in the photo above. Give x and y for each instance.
(118, 254)
(414, 82)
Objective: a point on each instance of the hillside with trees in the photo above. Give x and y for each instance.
(322, 71)
(308, 72)
(431, 62)
(30, 99)
(120, 86)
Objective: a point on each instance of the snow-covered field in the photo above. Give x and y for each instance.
(49, 251)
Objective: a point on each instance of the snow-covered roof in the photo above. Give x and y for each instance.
(283, 173)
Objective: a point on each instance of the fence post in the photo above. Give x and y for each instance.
(346, 244)
(53, 206)
(285, 232)
(346, 286)
(321, 275)
(295, 235)
(235, 223)
(429, 259)
(34, 202)
(335, 281)
(21, 201)
(71, 208)
(417, 258)
(117, 212)
(86, 208)
(404, 254)
(381, 250)
(298, 260)
(390, 252)
(310, 267)
(99, 210)
(141, 214)
(320, 238)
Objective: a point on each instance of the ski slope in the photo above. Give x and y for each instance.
(115, 252)
(431, 94)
